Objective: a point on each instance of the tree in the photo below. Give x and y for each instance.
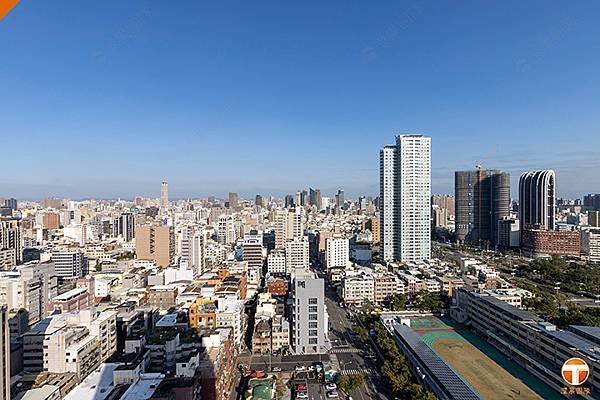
(362, 333)
(398, 302)
(427, 301)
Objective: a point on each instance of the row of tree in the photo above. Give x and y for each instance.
(394, 366)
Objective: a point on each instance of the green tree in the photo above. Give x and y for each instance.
(427, 301)
(362, 333)
(398, 302)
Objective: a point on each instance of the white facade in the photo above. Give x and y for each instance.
(276, 263)
(590, 244)
(358, 288)
(405, 190)
(296, 254)
(337, 252)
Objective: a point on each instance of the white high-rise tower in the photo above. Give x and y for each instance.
(164, 195)
(405, 196)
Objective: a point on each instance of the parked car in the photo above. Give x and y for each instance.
(331, 386)
(300, 368)
(302, 395)
(276, 369)
(333, 394)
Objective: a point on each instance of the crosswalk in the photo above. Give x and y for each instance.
(366, 371)
(337, 350)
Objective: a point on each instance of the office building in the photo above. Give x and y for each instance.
(591, 201)
(276, 263)
(340, 198)
(545, 243)
(537, 200)
(590, 244)
(69, 263)
(233, 200)
(155, 243)
(509, 233)
(124, 226)
(309, 319)
(164, 196)
(226, 230)
(51, 220)
(337, 253)
(11, 241)
(482, 198)
(405, 193)
(253, 249)
(288, 224)
(258, 201)
(296, 253)
(11, 203)
(289, 201)
(314, 198)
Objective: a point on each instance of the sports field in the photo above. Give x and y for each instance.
(492, 378)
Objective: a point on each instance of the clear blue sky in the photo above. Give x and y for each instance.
(107, 98)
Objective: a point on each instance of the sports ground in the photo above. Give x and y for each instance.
(480, 365)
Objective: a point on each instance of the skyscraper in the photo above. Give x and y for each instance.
(340, 199)
(233, 200)
(405, 192)
(314, 198)
(164, 195)
(537, 199)
(482, 198)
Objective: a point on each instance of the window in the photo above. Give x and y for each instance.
(313, 300)
(312, 309)
(313, 324)
(312, 317)
(312, 341)
(312, 332)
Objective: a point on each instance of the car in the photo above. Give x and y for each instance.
(300, 368)
(276, 369)
(311, 368)
(302, 395)
(331, 386)
(300, 388)
(333, 394)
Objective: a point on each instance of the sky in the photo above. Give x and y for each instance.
(106, 99)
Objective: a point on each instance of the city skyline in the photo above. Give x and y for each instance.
(109, 102)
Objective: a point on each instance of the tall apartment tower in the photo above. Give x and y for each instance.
(405, 193)
(253, 249)
(537, 199)
(482, 198)
(124, 226)
(11, 242)
(337, 253)
(5, 356)
(155, 243)
(309, 317)
(164, 195)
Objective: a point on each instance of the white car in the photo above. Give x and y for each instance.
(300, 368)
(331, 386)
(333, 394)
(301, 395)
